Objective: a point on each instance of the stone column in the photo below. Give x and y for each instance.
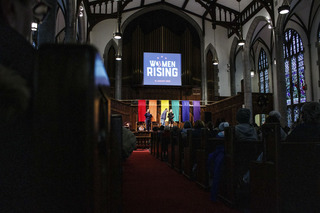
(246, 78)
(47, 29)
(118, 74)
(281, 104)
(70, 36)
(204, 86)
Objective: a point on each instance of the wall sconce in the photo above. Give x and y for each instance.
(34, 26)
(215, 61)
(118, 57)
(252, 73)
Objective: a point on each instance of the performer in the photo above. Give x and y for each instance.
(148, 116)
(163, 117)
(171, 116)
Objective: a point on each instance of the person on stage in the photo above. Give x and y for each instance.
(163, 117)
(148, 116)
(171, 116)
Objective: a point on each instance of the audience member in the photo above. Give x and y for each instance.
(309, 128)
(198, 125)
(19, 190)
(128, 142)
(187, 125)
(274, 117)
(244, 131)
(212, 132)
(222, 126)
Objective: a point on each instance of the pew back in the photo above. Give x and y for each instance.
(238, 155)
(72, 128)
(287, 180)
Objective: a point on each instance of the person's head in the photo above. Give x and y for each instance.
(209, 125)
(170, 110)
(148, 110)
(272, 119)
(19, 14)
(243, 115)
(310, 112)
(166, 109)
(187, 125)
(275, 114)
(199, 124)
(223, 125)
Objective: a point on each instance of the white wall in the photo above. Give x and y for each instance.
(239, 71)
(102, 33)
(314, 62)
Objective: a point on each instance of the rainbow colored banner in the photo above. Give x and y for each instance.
(196, 111)
(153, 109)
(164, 105)
(185, 111)
(175, 109)
(141, 110)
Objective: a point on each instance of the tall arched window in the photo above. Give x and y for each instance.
(295, 76)
(263, 68)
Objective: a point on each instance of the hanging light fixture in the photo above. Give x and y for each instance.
(118, 57)
(118, 35)
(215, 60)
(284, 8)
(241, 41)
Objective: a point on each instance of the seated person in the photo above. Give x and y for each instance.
(212, 132)
(128, 142)
(274, 117)
(198, 125)
(222, 126)
(309, 128)
(244, 131)
(187, 125)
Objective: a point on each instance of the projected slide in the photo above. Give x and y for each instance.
(162, 69)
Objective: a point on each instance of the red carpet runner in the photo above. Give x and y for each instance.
(150, 185)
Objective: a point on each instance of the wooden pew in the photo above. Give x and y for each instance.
(72, 134)
(178, 153)
(153, 142)
(193, 143)
(143, 139)
(175, 136)
(208, 145)
(238, 155)
(288, 178)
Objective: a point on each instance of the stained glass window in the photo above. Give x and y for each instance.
(295, 75)
(263, 67)
(263, 70)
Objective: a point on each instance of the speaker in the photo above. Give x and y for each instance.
(207, 117)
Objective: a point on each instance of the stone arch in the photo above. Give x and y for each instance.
(246, 60)
(211, 48)
(270, 61)
(232, 68)
(106, 58)
(191, 21)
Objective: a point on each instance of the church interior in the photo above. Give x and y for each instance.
(117, 82)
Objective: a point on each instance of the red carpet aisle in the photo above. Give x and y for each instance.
(149, 185)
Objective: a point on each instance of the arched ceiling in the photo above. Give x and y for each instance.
(226, 13)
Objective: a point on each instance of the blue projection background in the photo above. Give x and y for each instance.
(162, 69)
